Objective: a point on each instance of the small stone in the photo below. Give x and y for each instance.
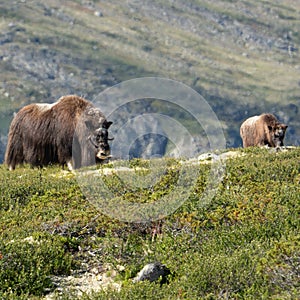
(153, 272)
(205, 156)
(98, 13)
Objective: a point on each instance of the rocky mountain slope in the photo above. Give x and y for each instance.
(241, 56)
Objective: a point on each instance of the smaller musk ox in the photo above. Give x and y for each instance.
(263, 130)
(71, 131)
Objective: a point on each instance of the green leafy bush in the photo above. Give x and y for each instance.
(243, 244)
(26, 264)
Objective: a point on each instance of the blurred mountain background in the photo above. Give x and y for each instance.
(241, 56)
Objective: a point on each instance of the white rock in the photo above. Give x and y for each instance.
(152, 272)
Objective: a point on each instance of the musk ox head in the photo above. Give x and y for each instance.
(99, 140)
(277, 133)
(90, 143)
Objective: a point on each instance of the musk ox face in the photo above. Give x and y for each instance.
(277, 133)
(98, 126)
(99, 140)
(90, 143)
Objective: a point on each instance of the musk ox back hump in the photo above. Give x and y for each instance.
(263, 130)
(42, 134)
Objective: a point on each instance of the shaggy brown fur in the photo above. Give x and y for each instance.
(263, 130)
(70, 131)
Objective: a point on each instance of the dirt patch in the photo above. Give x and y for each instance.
(93, 281)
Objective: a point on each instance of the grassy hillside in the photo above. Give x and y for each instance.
(243, 244)
(242, 56)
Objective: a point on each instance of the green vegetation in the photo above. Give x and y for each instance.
(244, 244)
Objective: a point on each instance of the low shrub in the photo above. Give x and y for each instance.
(243, 244)
(26, 264)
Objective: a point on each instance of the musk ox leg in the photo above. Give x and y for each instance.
(11, 168)
(14, 152)
(11, 163)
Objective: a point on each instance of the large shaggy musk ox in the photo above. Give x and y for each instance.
(263, 130)
(71, 131)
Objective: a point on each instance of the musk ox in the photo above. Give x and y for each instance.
(263, 130)
(71, 131)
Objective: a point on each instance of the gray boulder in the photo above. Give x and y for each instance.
(153, 272)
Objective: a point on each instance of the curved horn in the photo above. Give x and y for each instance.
(92, 142)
